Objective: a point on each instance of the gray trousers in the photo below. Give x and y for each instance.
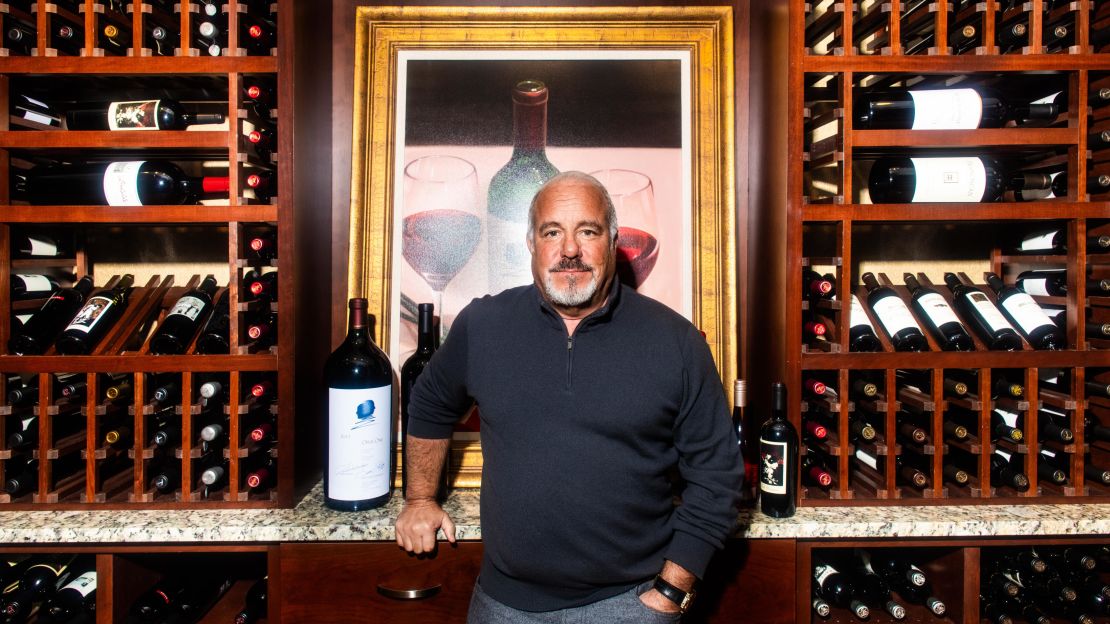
(623, 608)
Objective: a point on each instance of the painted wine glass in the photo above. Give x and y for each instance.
(440, 228)
(634, 199)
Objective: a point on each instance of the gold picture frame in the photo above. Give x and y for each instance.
(700, 36)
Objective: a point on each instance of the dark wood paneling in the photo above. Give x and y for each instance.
(337, 583)
(748, 581)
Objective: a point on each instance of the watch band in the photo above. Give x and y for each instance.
(674, 594)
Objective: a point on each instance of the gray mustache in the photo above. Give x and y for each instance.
(570, 264)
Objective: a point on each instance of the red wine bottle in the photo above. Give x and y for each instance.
(894, 316)
(37, 582)
(837, 589)
(943, 109)
(95, 318)
(167, 434)
(167, 476)
(180, 326)
(861, 334)
(262, 248)
(263, 138)
(262, 97)
(35, 245)
(264, 185)
(778, 454)
(1027, 316)
(45, 325)
(513, 186)
(259, 35)
(20, 39)
(1004, 426)
(263, 477)
(76, 597)
(983, 315)
(26, 286)
(937, 180)
(939, 317)
(262, 331)
(214, 337)
(1049, 426)
(1005, 472)
(815, 286)
(358, 454)
(261, 286)
(410, 371)
(873, 589)
(1050, 467)
(1051, 283)
(152, 114)
(255, 604)
(185, 598)
(121, 183)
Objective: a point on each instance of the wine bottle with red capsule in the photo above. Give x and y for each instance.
(262, 247)
(258, 35)
(263, 138)
(259, 95)
(263, 184)
(262, 331)
(260, 286)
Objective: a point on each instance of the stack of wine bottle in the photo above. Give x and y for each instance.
(964, 27)
(871, 581)
(113, 24)
(1041, 585)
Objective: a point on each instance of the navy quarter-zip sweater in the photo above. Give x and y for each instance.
(578, 436)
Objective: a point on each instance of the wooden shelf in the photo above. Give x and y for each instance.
(960, 138)
(138, 214)
(182, 65)
(75, 139)
(1020, 211)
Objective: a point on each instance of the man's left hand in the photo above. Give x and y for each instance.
(658, 602)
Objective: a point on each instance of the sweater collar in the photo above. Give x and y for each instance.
(602, 314)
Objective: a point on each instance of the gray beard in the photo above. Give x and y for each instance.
(574, 294)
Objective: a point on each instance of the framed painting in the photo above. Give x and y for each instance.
(460, 114)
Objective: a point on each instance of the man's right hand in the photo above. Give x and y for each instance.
(417, 524)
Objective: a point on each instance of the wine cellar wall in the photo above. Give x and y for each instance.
(141, 147)
(904, 381)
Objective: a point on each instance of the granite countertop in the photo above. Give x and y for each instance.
(311, 521)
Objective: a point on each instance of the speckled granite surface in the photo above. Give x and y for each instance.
(311, 521)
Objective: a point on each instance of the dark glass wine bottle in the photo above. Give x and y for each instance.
(1027, 316)
(95, 318)
(152, 114)
(1004, 426)
(180, 326)
(965, 179)
(993, 611)
(37, 582)
(255, 604)
(513, 186)
(894, 316)
(264, 185)
(213, 338)
(410, 371)
(121, 183)
(358, 452)
(1051, 425)
(815, 286)
(1051, 283)
(263, 138)
(262, 330)
(939, 317)
(261, 286)
(45, 325)
(262, 248)
(35, 245)
(943, 109)
(837, 589)
(1004, 472)
(873, 589)
(31, 286)
(1050, 468)
(861, 333)
(983, 315)
(778, 454)
(76, 597)
(259, 35)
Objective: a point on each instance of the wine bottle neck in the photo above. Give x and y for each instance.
(529, 122)
(190, 119)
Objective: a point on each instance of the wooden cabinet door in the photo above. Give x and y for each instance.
(345, 583)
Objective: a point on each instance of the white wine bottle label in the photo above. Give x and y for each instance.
(938, 310)
(189, 307)
(121, 183)
(1047, 453)
(989, 312)
(894, 315)
(35, 283)
(359, 426)
(1003, 454)
(138, 115)
(84, 584)
(1008, 417)
(949, 180)
(1038, 242)
(774, 460)
(946, 109)
(510, 263)
(43, 246)
(867, 459)
(821, 573)
(1035, 286)
(857, 316)
(1026, 312)
(90, 314)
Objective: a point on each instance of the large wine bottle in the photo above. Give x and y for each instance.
(45, 325)
(121, 183)
(778, 456)
(76, 597)
(358, 456)
(861, 333)
(181, 324)
(214, 338)
(983, 315)
(1045, 283)
(254, 605)
(903, 180)
(1024, 312)
(939, 317)
(894, 316)
(37, 582)
(153, 114)
(513, 186)
(95, 318)
(425, 347)
(943, 109)
(31, 286)
(837, 589)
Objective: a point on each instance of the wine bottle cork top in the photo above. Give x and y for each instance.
(530, 92)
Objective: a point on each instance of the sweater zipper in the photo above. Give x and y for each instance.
(570, 358)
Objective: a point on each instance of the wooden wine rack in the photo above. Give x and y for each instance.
(120, 478)
(827, 64)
